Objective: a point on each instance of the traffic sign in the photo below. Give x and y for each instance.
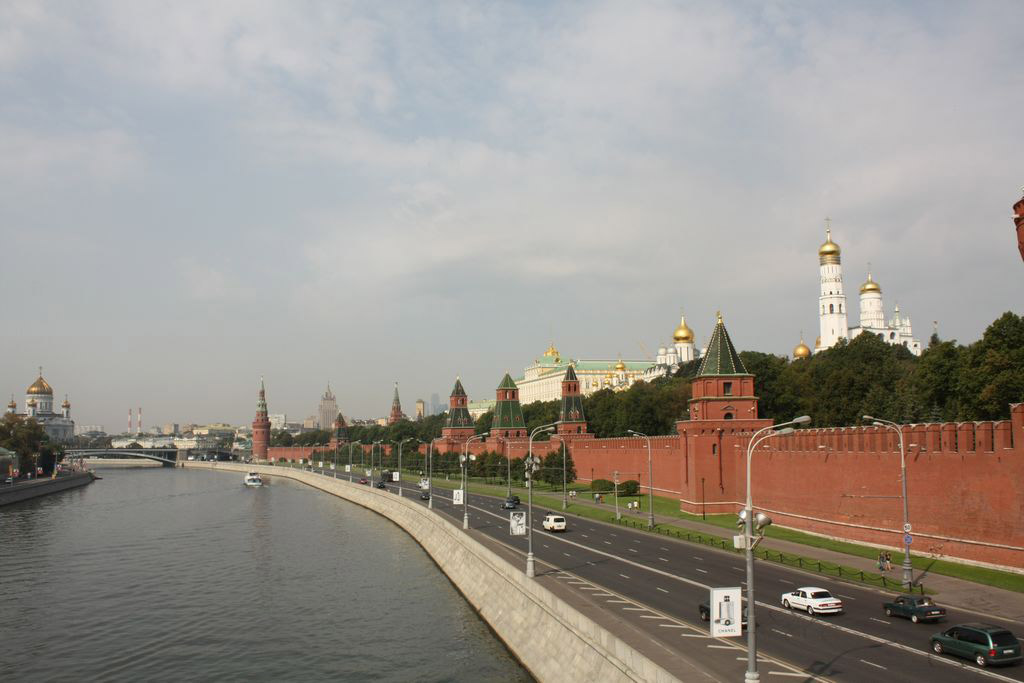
(907, 528)
(907, 540)
(517, 523)
(457, 497)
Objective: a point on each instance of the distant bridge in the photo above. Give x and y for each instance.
(168, 456)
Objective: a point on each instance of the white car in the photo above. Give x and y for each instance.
(553, 522)
(813, 600)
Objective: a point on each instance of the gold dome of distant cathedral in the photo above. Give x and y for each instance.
(620, 366)
(801, 350)
(829, 251)
(870, 286)
(683, 333)
(39, 387)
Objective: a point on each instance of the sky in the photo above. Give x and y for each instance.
(194, 195)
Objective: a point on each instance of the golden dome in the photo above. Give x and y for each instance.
(683, 333)
(12, 405)
(66, 403)
(817, 343)
(552, 351)
(39, 387)
(870, 286)
(620, 366)
(31, 403)
(801, 350)
(829, 251)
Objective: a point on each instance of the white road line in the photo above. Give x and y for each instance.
(788, 635)
(581, 583)
(584, 536)
(846, 597)
(665, 549)
(673, 626)
(632, 550)
(704, 571)
(547, 546)
(877, 666)
(661, 589)
(795, 674)
(623, 576)
(786, 580)
(653, 616)
(635, 541)
(622, 601)
(635, 609)
(568, 555)
(607, 542)
(694, 635)
(738, 569)
(589, 588)
(602, 594)
(663, 559)
(698, 558)
(722, 647)
(880, 621)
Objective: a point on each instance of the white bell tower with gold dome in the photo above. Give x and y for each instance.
(832, 300)
(872, 312)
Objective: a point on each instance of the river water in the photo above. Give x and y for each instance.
(183, 575)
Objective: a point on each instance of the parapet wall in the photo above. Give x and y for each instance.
(553, 640)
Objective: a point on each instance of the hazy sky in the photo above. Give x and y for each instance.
(196, 194)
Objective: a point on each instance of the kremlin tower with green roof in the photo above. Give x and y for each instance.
(459, 425)
(722, 389)
(508, 420)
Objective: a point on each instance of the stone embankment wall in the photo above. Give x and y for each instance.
(552, 639)
(42, 487)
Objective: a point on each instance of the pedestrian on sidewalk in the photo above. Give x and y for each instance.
(888, 561)
(881, 561)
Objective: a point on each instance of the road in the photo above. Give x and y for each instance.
(645, 576)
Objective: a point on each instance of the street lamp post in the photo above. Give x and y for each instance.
(465, 479)
(565, 490)
(531, 468)
(748, 533)
(908, 568)
(430, 474)
(400, 443)
(375, 443)
(650, 476)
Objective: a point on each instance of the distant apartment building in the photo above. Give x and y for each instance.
(278, 421)
(327, 411)
(170, 429)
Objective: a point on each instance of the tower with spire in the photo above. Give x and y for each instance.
(261, 427)
(722, 389)
(571, 420)
(459, 425)
(396, 408)
(508, 422)
(327, 410)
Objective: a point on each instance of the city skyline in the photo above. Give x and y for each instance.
(185, 187)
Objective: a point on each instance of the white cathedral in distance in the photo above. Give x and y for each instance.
(832, 312)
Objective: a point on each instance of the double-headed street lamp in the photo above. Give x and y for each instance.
(650, 476)
(400, 443)
(430, 474)
(532, 465)
(908, 569)
(375, 443)
(747, 519)
(465, 479)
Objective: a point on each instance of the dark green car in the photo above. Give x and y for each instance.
(917, 608)
(984, 643)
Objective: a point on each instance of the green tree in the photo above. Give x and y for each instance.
(992, 371)
(24, 436)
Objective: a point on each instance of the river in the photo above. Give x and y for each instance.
(176, 575)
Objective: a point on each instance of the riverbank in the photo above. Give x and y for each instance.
(35, 488)
(124, 463)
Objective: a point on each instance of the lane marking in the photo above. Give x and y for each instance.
(723, 647)
(584, 536)
(624, 601)
(700, 558)
(704, 571)
(623, 576)
(880, 621)
(785, 580)
(653, 616)
(694, 635)
(665, 549)
(632, 550)
(635, 541)
(568, 555)
(663, 559)
(674, 626)
(589, 588)
(877, 666)
(788, 635)
(796, 674)
(847, 597)
(635, 609)
(607, 542)
(661, 589)
(738, 569)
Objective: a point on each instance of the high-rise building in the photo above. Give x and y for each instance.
(420, 408)
(435, 404)
(327, 411)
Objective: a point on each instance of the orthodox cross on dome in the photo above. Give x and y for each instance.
(40, 370)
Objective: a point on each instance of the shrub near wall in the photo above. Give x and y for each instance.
(629, 487)
(601, 485)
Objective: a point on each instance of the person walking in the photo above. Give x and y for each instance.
(888, 561)
(881, 561)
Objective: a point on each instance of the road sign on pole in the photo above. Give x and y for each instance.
(348, 468)
(726, 612)
(907, 528)
(394, 476)
(457, 497)
(517, 523)
(907, 539)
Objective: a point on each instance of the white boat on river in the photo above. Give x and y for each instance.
(253, 479)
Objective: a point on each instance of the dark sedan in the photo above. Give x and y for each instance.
(917, 608)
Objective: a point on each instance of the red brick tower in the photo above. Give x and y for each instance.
(459, 426)
(722, 389)
(1018, 219)
(508, 420)
(571, 420)
(261, 427)
(396, 409)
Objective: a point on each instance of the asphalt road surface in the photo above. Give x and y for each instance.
(656, 583)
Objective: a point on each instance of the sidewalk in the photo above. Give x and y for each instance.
(949, 591)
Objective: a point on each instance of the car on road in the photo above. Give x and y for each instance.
(917, 608)
(364, 480)
(424, 495)
(510, 503)
(813, 600)
(381, 484)
(705, 612)
(553, 522)
(984, 643)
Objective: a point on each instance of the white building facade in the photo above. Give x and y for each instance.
(59, 427)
